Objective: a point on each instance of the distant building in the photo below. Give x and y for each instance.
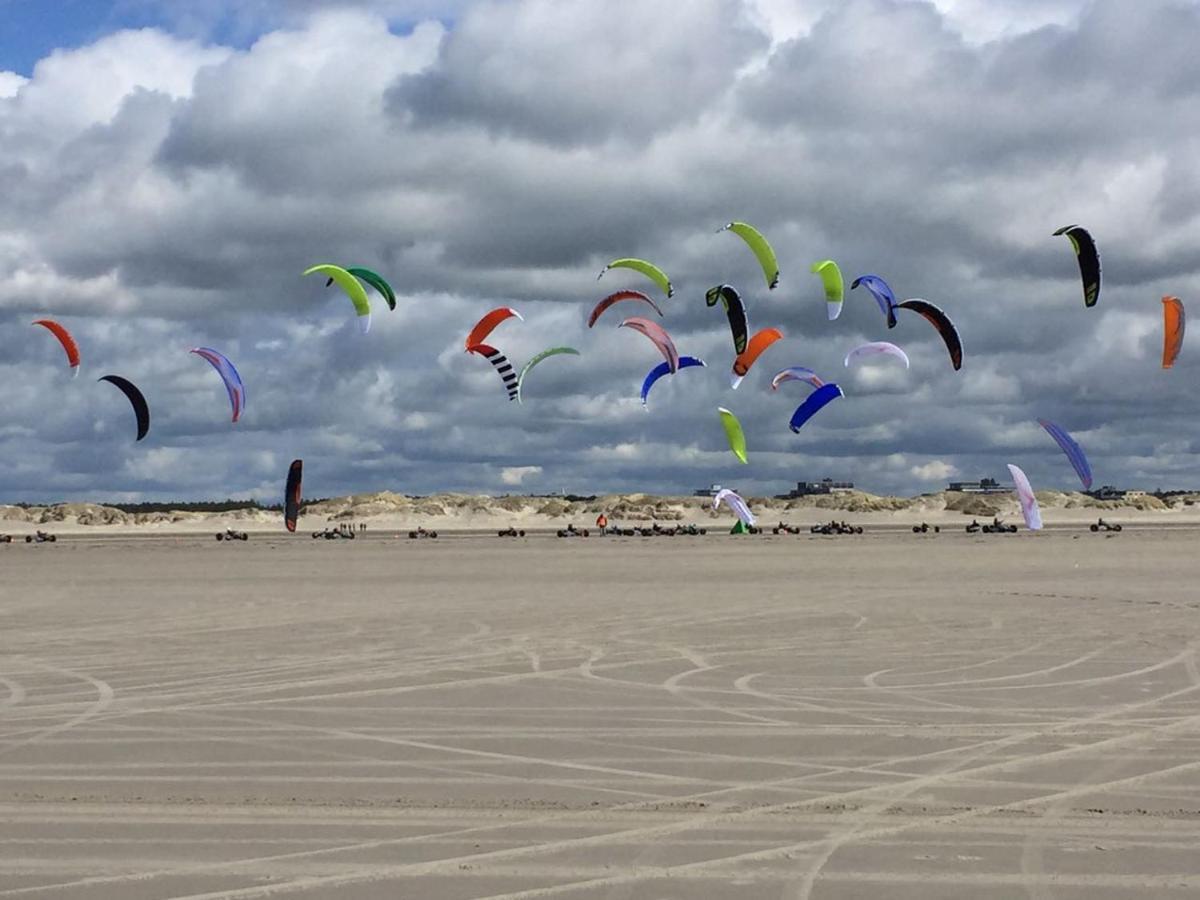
(982, 486)
(711, 491)
(1108, 492)
(824, 486)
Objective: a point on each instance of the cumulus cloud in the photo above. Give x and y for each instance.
(934, 470)
(514, 475)
(10, 83)
(587, 71)
(164, 190)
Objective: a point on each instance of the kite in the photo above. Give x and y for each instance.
(754, 349)
(1029, 504)
(291, 495)
(1089, 261)
(375, 280)
(1173, 325)
(835, 287)
(735, 503)
(651, 271)
(735, 310)
(795, 373)
(352, 288)
(501, 364)
(942, 323)
(233, 381)
(877, 348)
(487, 325)
(663, 368)
(734, 433)
(881, 292)
(1071, 448)
(658, 336)
(545, 354)
(136, 400)
(68, 343)
(814, 403)
(617, 298)
(762, 249)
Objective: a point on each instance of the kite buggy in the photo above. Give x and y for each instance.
(996, 527)
(342, 532)
(836, 528)
(572, 531)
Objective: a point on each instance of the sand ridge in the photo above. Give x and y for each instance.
(450, 512)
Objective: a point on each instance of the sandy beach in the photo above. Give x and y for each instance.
(873, 717)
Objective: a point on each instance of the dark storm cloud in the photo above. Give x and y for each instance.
(164, 193)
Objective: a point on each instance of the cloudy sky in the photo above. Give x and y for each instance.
(166, 175)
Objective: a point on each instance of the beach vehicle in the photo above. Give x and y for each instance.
(342, 532)
(996, 527)
(657, 530)
(834, 527)
(230, 534)
(421, 533)
(618, 531)
(925, 528)
(1101, 525)
(40, 537)
(572, 531)
(5, 538)
(511, 532)
(784, 528)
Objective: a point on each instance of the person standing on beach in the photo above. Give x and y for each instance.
(602, 523)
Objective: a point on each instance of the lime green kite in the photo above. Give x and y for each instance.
(734, 433)
(651, 271)
(545, 354)
(762, 250)
(835, 288)
(353, 289)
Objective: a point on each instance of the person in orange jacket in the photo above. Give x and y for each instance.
(602, 522)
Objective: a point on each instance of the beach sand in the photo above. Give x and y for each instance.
(884, 716)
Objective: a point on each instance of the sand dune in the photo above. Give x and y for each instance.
(450, 512)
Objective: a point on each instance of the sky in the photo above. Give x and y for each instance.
(167, 174)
